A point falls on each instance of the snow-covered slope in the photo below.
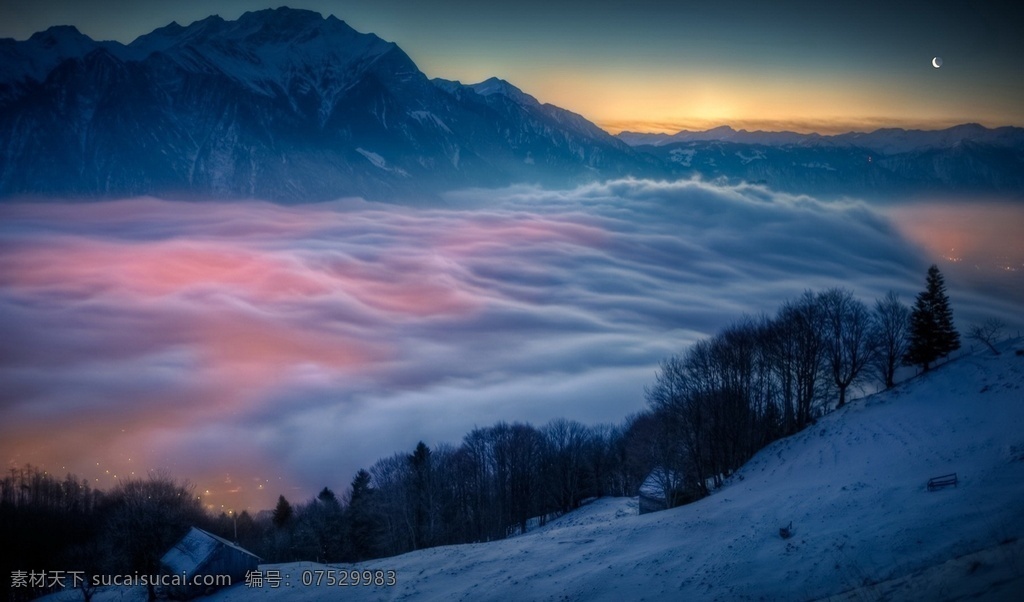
(853, 487)
(865, 526)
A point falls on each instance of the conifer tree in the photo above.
(419, 463)
(282, 512)
(932, 334)
(363, 524)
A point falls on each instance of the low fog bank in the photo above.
(259, 349)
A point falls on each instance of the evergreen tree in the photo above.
(282, 512)
(363, 524)
(419, 462)
(327, 496)
(932, 334)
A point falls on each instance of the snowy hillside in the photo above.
(864, 524)
(853, 486)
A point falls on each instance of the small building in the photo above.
(199, 563)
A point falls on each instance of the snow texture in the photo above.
(853, 486)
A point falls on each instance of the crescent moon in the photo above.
(937, 62)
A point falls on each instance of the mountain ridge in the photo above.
(887, 163)
(291, 106)
(882, 140)
(280, 104)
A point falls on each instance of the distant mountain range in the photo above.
(887, 162)
(889, 141)
(287, 105)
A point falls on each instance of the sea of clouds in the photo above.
(259, 349)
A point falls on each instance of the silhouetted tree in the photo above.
(798, 357)
(568, 475)
(891, 330)
(519, 452)
(317, 532)
(640, 447)
(362, 519)
(393, 501)
(46, 521)
(682, 400)
(146, 517)
(602, 459)
(421, 494)
(282, 512)
(245, 526)
(849, 341)
(988, 333)
(932, 334)
(327, 496)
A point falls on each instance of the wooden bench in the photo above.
(944, 481)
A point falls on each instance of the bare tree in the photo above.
(800, 358)
(891, 333)
(849, 344)
(677, 401)
(522, 453)
(146, 517)
(568, 474)
(638, 449)
(988, 333)
(393, 498)
(602, 460)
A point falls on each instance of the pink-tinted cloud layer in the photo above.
(258, 349)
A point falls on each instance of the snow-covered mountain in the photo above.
(281, 104)
(290, 106)
(722, 133)
(885, 163)
(886, 141)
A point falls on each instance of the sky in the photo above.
(664, 66)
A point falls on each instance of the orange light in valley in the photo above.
(977, 232)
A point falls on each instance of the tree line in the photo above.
(497, 482)
(51, 523)
(763, 378)
(710, 409)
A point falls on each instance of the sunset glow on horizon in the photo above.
(651, 67)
